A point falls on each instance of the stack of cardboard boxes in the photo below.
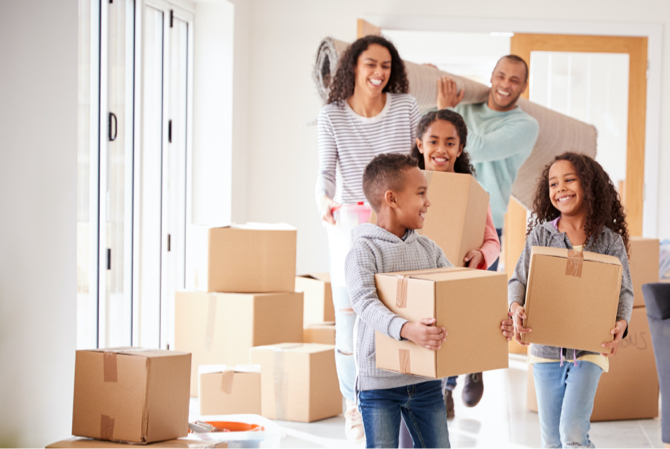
(240, 295)
(630, 389)
(319, 312)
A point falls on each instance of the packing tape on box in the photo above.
(405, 367)
(227, 377)
(106, 427)
(403, 282)
(281, 380)
(575, 262)
(211, 322)
(109, 366)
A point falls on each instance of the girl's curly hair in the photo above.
(345, 77)
(462, 164)
(602, 201)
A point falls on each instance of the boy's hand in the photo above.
(518, 315)
(507, 327)
(326, 206)
(617, 331)
(424, 333)
(474, 258)
(447, 93)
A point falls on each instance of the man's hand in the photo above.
(447, 93)
(617, 331)
(474, 258)
(424, 333)
(518, 315)
(326, 206)
(507, 327)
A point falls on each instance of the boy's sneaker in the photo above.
(449, 404)
(353, 425)
(473, 390)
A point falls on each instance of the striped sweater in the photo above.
(351, 141)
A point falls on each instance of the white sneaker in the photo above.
(353, 425)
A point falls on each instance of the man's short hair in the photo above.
(515, 58)
(385, 172)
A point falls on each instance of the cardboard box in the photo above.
(250, 258)
(323, 333)
(516, 348)
(571, 299)
(318, 297)
(298, 381)
(190, 441)
(630, 389)
(220, 328)
(229, 390)
(131, 394)
(470, 304)
(644, 265)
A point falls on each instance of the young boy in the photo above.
(397, 191)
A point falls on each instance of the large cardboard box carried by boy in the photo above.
(644, 265)
(220, 328)
(630, 389)
(298, 381)
(241, 258)
(571, 298)
(131, 394)
(318, 297)
(470, 304)
(229, 390)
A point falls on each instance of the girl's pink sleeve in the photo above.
(491, 247)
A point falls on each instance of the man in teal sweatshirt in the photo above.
(500, 138)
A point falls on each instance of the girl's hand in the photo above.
(474, 258)
(507, 327)
(326, 206)
(447, 93)
(424, 333)
(518, 315)
(618, 331)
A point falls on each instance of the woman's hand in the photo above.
(507, 327)
(617, 331)
(447, 93)
(518, 315)
(424, 333)
(326, 206)
(474, 258)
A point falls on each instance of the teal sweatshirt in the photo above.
(498, 143)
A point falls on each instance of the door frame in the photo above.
(653, 32)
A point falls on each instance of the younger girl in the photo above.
(576, 207)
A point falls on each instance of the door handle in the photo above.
(112, 138)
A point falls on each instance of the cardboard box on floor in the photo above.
(456, 218)
(516, 348)
(190, 441)
(131, 394)
(323, 333)
(470, 304)
(220, 328)
(318, 297)
(229, 389)
(571, 298)
(249, 258)
(298, 381)
(630, 389)
(644, 265)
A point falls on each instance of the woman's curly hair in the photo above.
(462, 163)
(602, 201)
(345, 76)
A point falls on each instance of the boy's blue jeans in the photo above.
(422, 407)
(565, 397)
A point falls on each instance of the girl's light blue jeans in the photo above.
(565, 397)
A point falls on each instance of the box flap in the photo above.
(216, 369)
(323, 277)
(563, 252)
(441, 274)
(141, 352)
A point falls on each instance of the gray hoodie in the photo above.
(546, 234)
(375, 250)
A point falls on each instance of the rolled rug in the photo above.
(558, 133)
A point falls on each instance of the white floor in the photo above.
(500, 420)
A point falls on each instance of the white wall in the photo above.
(38, 204)
(282, 156)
